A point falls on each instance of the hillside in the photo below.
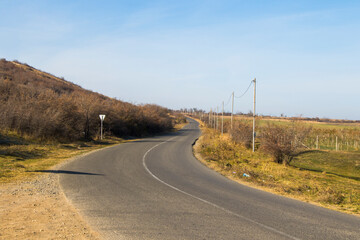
(37, 104)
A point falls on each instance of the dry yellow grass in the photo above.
(28, 159)
(321, 188)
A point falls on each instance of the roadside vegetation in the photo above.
(45, 119)
(22, 158)
(289, 159)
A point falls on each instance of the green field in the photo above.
(343, 164)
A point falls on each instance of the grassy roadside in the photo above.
(22, 158)
(329, 179)
(179, 126)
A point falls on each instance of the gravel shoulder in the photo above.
(38, 209)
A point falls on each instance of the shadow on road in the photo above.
(67, 172)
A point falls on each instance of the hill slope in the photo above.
(43, 106)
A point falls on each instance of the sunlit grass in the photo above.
(24, 158)
(328, 178)
(345, 164)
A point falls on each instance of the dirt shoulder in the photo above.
(38, 209)
(32, 204)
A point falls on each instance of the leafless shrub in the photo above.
(242, 133)
(283, 142)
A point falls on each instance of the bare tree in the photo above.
(283, 142)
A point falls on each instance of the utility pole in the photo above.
(217, 118)
(232, 110)
(210, 117)
(214, 116)
(254, 114)
(222, 119)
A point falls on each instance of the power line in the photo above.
(245, 91)
(228, 101)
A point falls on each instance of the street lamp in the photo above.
(102, 117)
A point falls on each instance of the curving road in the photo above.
(155, 189)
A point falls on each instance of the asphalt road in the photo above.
(155, 189)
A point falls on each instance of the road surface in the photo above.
(155, 189)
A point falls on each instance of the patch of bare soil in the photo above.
(38, 209)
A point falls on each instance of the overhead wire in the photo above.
(245, 91)
(228, 101)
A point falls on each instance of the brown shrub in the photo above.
(283, 142)
(242, 133)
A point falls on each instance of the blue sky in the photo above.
(304, 54)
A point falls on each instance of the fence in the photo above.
(333, 143)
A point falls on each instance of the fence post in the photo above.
(317, 142)
(336, 144)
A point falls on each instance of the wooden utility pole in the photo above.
(210, 118)
(254, 114)
(232, 111)
(222, 119)
(213, 119)
(217, 118)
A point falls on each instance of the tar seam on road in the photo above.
(205, 201)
